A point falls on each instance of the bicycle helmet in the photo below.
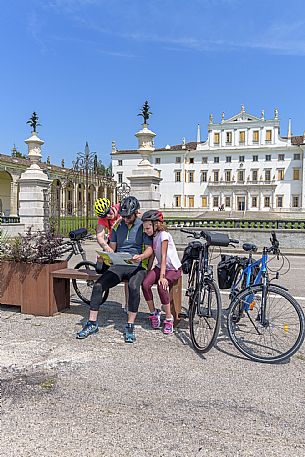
(102, 207)
(153, 215)
(129, 206)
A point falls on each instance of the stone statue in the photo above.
(263, 115)
(276, 113)
(211, 118)
(33, 121)
(63, 163)
(242, 108)
(145, 112)
(48, 160)
(222, 116)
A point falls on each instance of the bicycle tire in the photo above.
(83, 289)
(208, 317)
(284, 328)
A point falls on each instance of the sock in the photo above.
(92, 322)
(169, 319)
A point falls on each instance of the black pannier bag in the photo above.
(226, 270)
(191, 252)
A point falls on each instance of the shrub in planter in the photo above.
(25, 266)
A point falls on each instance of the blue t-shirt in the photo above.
(130, 240)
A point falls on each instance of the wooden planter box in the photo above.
(32, 287)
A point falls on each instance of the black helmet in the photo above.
(152, 215)
(129, 206)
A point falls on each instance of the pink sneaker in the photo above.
(155, 319)
(168, 327)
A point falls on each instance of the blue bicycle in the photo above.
(265, 323)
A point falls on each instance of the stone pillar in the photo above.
(14, 198)
(33, 187)
(145, 180)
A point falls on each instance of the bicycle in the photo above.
(265, 323)
(83, 288)
(204, 302)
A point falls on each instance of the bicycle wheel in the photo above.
(83, 289)
(204, 316)
(282, 333)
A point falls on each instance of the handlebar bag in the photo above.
(78, 234)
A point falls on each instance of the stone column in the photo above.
(33, 185)
(14, 198)
(303, 175)
(145, 180)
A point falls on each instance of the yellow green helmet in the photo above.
(102, 207)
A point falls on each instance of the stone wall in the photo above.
(289, 239)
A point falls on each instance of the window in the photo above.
(267, 175)
(191, 176)
(267, 201)
(216, 202)
(204, 160)
(279, 201)
(254, 202)
(228, 175)
(157, 160)
(280, 174)
(255, 158)
(204, 201)
(241, 158)
(227, 202)
(228, 159)
(268, 136)
(204, 176)
(281, 157)
(296, 174)
(120, 178)
(120, 163)
(295, 201)
(216, 159)
(240, 175)
(178, 159)
(191, 201)
(191, 159)
(216, 175)
(229, 138)
(296, 156)
(254, 175)
(268, 158)
(178, 176)
(242, 137)
(255, 137)
(216, 138)
(177, 200)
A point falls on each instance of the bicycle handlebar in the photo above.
(213, 239)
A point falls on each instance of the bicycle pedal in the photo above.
(183, 315)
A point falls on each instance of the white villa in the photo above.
(244, 165)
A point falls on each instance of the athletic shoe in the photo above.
(88, 329)
(155, 319)
(168, 327)
(129, 333)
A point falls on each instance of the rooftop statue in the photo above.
(145, 112)
(33, 121)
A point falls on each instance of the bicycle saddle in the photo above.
(249, 247)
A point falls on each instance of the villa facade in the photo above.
(244, 165)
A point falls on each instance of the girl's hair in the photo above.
(162, 227)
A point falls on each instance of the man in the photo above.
(128, 236)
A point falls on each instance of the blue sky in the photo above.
(87, 66)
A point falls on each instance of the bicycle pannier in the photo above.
(226, 269)
(191, 252)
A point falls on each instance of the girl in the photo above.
(167, 270)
